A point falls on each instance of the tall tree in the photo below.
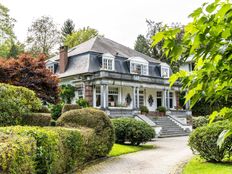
(80, 36)
(68, 28)
(43, 36)
(32, 73)
(208, 40)
(144, 44)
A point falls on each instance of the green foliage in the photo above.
(15, 102)
(36, 119)
(68, 107)
(80, 36)
(142, 45)
(67, 93)
(95, 119)
(204, 141)
(133, 131)
(207, 40)
(43, 109)
(56, 110)
(143, 109)
(53, 122)
(68, 28)
(17, 154)
(43, 35)
(161, 109)
(199, 121)
(82, 103)
(46, 150)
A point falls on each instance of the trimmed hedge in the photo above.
(95, 119)
(17, 154)
(199, 121)
(16, 101)
(37, 119)
(133, 131)
(68, 107)
(204, 141)
(46, 150)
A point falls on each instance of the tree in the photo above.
(208, 40)
(144, 44)
(67, 93)
(31, 73)
(67, 29)
(43, 36)
(80, 36)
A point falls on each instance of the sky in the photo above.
(119, 20)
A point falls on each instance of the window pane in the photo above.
(98, 100)
(159, 102)
(171, 102)
(159, 94)
(110, 64)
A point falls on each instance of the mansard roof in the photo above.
(101, 44)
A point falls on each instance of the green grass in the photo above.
(199, 166)
(119, 149)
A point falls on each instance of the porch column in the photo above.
(120, 96)
(103, 96)
(94, 96)
(137, 92)
(168, 100)
(134, 97)
(164, 98)
(106, 96)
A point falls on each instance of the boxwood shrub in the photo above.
(199, 121)
(203, 140)
(95, 119)
(37, 119)
(133, 131)
(46, 150)
(68, 107)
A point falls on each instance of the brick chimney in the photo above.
(63, 58)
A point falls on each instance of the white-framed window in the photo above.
(108, 62)
(159, 98)
(112, 96)
(164, 71)
(98, 96)
(138, 65)
(80, 92)
(141, 97)
(51, 68)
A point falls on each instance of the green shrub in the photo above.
(143, 109)
(53, 122)
(17, 154)
(82, 103)
(37, 119)
(95, 119)
(161, 109)
(199, 121)
(57, 150)
(16, 101)
(56, 110)
(68, 107)
(204, 141)
(133, 131)
(43, 109)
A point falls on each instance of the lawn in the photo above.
(200, 166)
(119, 149)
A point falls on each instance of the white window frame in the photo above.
(138, 61)
(114, 91)
(106, 59)
(51, 68)
(163, 69)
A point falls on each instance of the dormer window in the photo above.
(165, 71)
(108, 62)
(51, 68)
(138, 65)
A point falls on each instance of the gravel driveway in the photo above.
(162, 160)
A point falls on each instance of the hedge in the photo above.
(68, 107)
(199, 121)
(46, 150)
(16, 101)
(95, 119)
(203, 140)
(37, 119)
(133, 131)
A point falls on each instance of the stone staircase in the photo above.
(169, 127)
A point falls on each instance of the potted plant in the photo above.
(143, 110)
(161, 110)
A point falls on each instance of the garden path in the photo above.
(163, 159)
